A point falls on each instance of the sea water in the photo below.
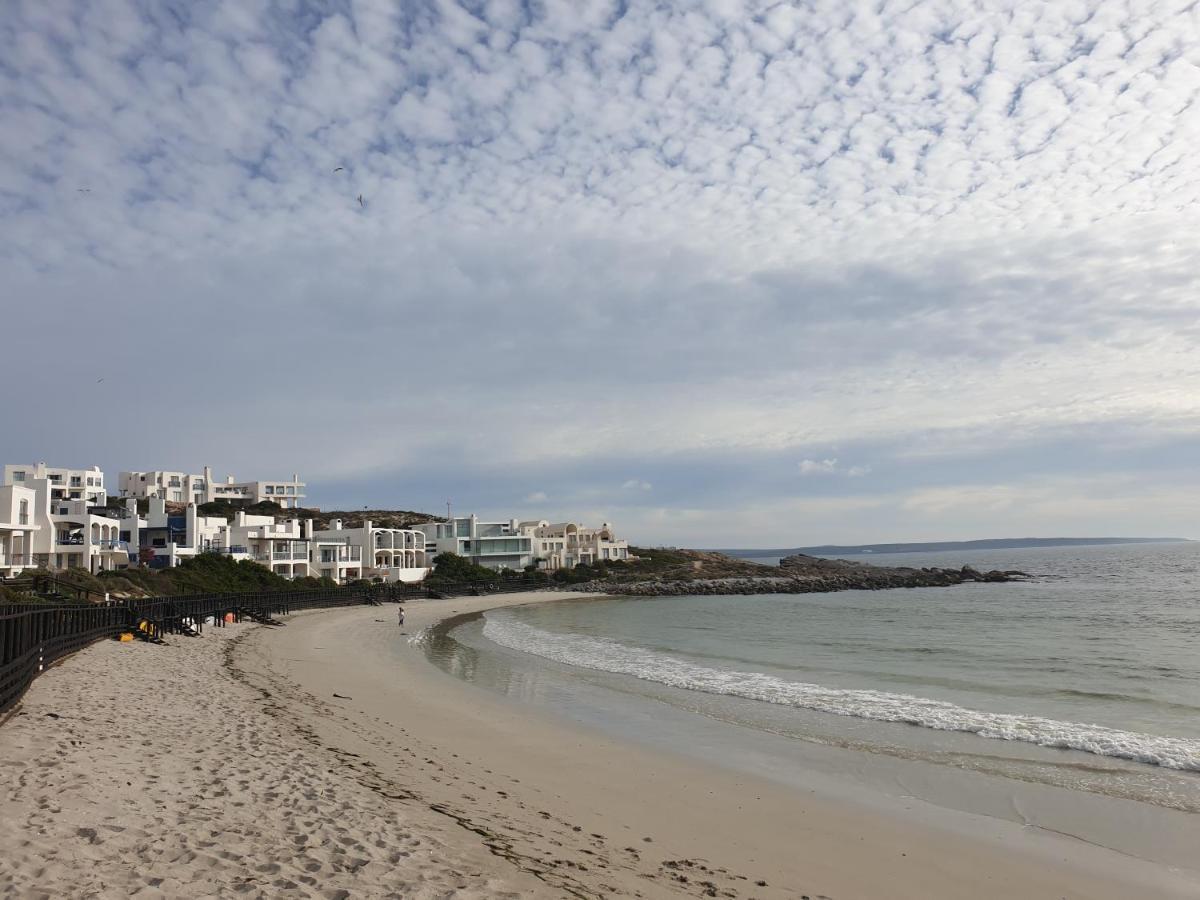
(1085, 677)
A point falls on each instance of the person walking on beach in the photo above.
(401, 611)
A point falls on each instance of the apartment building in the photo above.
(180, 487)
(177, 487)
(497, 545)
(17, 527)
(338, 559)
(61, 519)
(388, 554)
(74, 534)
(64, 484)
(565, 545)
(165, 538)
(514, 544)
(283, 547)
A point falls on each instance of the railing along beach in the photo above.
(34, 635)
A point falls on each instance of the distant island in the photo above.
(942, 546)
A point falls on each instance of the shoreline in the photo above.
(413, 782)
(747, 825)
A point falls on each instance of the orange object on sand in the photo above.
(228, 617)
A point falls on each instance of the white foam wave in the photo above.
(609, 656)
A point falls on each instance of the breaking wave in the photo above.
(609, 656)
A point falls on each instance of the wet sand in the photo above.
(225, 765)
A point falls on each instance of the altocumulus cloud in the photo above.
(694, 240)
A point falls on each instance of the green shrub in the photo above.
(449, 567)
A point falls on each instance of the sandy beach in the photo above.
(329, 758)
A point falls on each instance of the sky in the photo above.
(723, 273)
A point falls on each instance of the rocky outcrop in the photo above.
(802, 574)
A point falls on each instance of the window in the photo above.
(291, 490)
(270, 488)
(76, 481)
(125, 536)
(24, 519)
(18, 476)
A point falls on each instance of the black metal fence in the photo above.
(32, 636)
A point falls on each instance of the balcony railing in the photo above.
(228, 551)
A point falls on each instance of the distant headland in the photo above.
(944, 546)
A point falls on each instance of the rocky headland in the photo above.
(715, 573)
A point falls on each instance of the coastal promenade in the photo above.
(330, 758)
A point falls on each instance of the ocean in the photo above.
(1085, 678)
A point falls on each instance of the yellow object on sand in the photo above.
(126, 636)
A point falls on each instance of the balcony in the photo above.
(235, 550)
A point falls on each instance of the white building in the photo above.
(565, 545)
(388, 554)
(497, 545)
(513, 544)
(283, 547)
(64, 484)
(180, 487)
(73, 533)
(167, 537)
(17, 527)
(338, 559)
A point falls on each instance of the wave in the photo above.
(609, 656)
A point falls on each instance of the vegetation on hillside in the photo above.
(208, 573)
(671, 563)
(384, 518)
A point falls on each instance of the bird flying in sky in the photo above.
(339, 168)
(360, 200)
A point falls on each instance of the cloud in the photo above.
(831, 467)
(818, 466)
(664, 238)
(536, 497)
(633, 484)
